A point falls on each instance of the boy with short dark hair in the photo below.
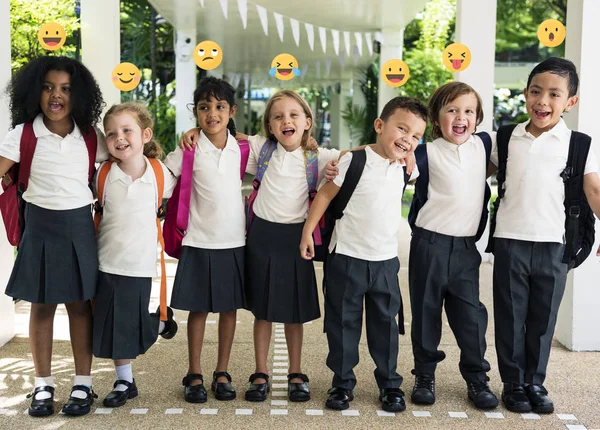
(528, 234)
(363, 261)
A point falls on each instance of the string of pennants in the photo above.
(353, 41)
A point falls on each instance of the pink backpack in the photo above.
(178, 206)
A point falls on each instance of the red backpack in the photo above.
(16, 180)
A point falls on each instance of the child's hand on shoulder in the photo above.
(189, 138)
(331, 171)
(411, 162)
(307, 246)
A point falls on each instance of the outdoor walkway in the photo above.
(573, 383)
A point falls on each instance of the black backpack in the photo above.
(421, 187)
(580, 220)
(335, 210)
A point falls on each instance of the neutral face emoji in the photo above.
(284, 67)
(208, 55)
(126, 76)
(456, 57)
(551, 33)
(52, 36)
(395, 72)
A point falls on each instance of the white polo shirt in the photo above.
(371, 222)
(533, 208)
(217, 219)
(457, 178)
(127, 235)
(283, 193)
(60, 166)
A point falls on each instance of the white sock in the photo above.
(82, 380)
(161, 326)
(125, 373)
(43, 382)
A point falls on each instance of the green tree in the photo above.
(26, 18)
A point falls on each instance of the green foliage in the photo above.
(164, 126)
(356, 119)
(509, 106)
(438, 19)
(26, 18)
(427, 73)
(359, 119)
(407, 200)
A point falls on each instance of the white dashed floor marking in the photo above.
(496, 415)
(174, 411)
(422, 414)
(279, 402)
(243, 411)
(279, 378)
(576, 427)
(140, 411)
(284, 386)
(385, 414)
(566, 417)
(279, 393)
(279, 411)
(458, 415)
(284, 370)
(531, 416)
(351, 413)
(104, 411)
(314, 412)
(209, 411)
(280, 364)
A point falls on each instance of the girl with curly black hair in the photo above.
(55, 104)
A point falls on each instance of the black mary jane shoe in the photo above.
(392, 399)
(194, 393)
(339, 398)
(119, 398)
(298, 392)
(257, 392)
(170, 324)
(42, 407)
(77, 406)
(222, 390)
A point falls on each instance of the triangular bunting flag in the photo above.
(379, 37)
(310, 33)
(264, 20)
(201, 3)
(295, 30)
(335, 34)
(347, 41)
(243, 8)
(369, 43)
(224, 7)
(323, 37)
(358, 38)
(279, 24)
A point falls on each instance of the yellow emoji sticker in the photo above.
(284, 67)
(208, 55)
(126, 76)
(551, 33)
(395, 72)
(52, 36)
(456, 57)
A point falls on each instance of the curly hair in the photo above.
(152, 148)
(25, 91)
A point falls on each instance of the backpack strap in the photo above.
(502, 138)
(579, 147)
(100, 191)
(185, 189)
(245, 152)
(160, 188)
(263, 162)
(422, 184)
(355, 170)
(91, 142)
(27, 149)
(311, 163)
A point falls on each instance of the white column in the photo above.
(390, 48)
(578, 317)
(7, 308)
(340, 134)
(185, 77)
(100, 44)
(476, 28)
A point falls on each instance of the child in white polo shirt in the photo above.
(529, 235)
(448, 215)
(363, 262)
(127, 240)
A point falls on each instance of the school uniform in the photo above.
(444, 260)
(363, 265)
(529, 275)
(210, 273)
(281, 285)
(57, 261)
(127, 240)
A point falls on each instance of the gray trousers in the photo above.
(349, 282)
(444, 272)
(529, 282)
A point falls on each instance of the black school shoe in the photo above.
(339, 398)
(222, 390)
(515, 398)
(480, 394)
(257, 392)
(43, 407)
(119, 398)
(392, 399)
(170, 325)
(77, 406)
(298, 392)
(194, 393)
(423, 392)
(538, 397)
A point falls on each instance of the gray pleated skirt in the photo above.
(280, 285)
(123, 326)
(209, 280)
(57, 260)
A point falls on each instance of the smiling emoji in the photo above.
(52, 36)
(284, 67)
(395, 72)
(208, 55)
(551, 33)
(456, 57)
(126, 76)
